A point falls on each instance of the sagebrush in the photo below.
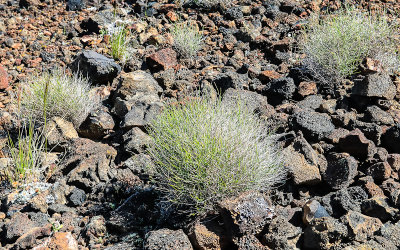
(335, 44)
(120, 42)
(56, 93)
(188, 40)
(205, 151)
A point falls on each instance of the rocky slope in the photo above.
(342, 145)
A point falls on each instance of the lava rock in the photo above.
(209, 235)
(357, 145)
(380, 171)
(340, 170)
(281, 234)
(375, 85)
(315, 126)
(73, 5)
(310, 102)
(377, 115)
(391, 139)
(361, 227)
(280, 90)
(77, 197)
(230, 79)
(247, 213)
(59, 133)
(391, 232)
(136, 141)
(302, 171)
(98, 68)
(378, 207)
(162, 60)
(234, 13)
(98, 124)
(323, 233)
(167, 239)
(3, 78)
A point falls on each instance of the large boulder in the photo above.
(98, 68)
(375, 85)
(314, 125)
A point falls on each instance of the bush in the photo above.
(206, 151)
(336, 44)
(187, 39)
(56, 93)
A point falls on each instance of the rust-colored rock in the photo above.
(3, 78)
(307, 88)
(269, 75)
(162, 59)
(208, 235)
(361, 226)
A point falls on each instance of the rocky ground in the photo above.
(342, 144)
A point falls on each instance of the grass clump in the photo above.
(119, 41)
(336, 44)
(205, 151)
(56, 93)
(188, 40)
(26, 155)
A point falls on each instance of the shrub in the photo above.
(188, 40)
(205, 151)
(56, 93)
(336, 44)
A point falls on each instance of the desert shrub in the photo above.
(188, 40)
(205, 151)
(336, 44)
(55, 93)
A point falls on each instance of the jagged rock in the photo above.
(392, 189)
(391, 139)
(88, 164)
(324, 233)
(357, 145)
(375, 85)
(209, 235)
(315, 126)
(77, 197)
(19, 224)
(136, 141)
(98, 124)
(73, 5)
(301, 171)
(378, 207)
(162, 60)
(340, 170)
(247, 213)
(313, 210)
(281, 89)
(3, 78)
(167, 239)
(281, 234)
(249, 242)
(361, 227)
(380, 171)
(310, 102)
(254, 102)
(59, 133)
(376, 115)
(391, 232)
(96, 229)
(28, 239)
(60, 240)
(371, 131)
(98, 68)
(142, 111)
(230, 79)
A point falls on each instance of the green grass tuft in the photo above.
(56, 93)
(205, 151)
(336, 44)
(188, 40)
